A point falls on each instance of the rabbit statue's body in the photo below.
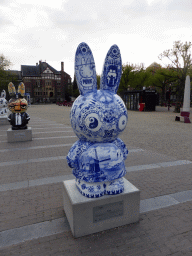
(18, 106)
(3, 104)
(97, 118)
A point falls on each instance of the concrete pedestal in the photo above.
(3, 120)
(184, 119)
(19, 135)
(91, 215)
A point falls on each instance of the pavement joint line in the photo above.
(37, 182)
(157, 165)
(46, 138)
(47, 228)
(35, 160)
(52, 132)
(36, 147)
(46, 132)
(54, 146)
(61, 137)
(136, 150)
(40, 128)
(54, 179)
(128, 169)
(49, 128)
(50, 125)
(40, 122)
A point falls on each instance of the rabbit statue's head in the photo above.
(3, 103)
(98, 115)
(3, 94)
(17, 103)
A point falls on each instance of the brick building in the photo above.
(42, 81)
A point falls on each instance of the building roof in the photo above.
(27, 70)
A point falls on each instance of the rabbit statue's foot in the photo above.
(91, 190)
(114, 187)
(98, 189)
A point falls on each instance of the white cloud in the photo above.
(52, 30)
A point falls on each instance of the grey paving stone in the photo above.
(43, 229)
(36, 160)
(32, 183)
(183, 196)
(47, 228)
(37, 147)
(157, 165)
(16, 185)
(141, 167)
(175, 163)
(157, 203)
(52, 132)
(59, 137)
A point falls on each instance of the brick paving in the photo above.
(166, 231)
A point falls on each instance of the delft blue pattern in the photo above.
(3, 104)
(112, 69)
(97, 118)
(85, 69)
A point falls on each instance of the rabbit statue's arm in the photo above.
(73, 155)
(72, 161)
(121, 145)
(75, 152)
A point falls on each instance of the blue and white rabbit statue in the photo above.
(3, 104)
(97, 118)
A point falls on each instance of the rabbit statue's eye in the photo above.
(92, 119)
(122, 122)
(93, 122)
(84, 50)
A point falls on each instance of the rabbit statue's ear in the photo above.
(3, 94)
(11, 89)
(85, 69)
(112, 68)
(21, 89)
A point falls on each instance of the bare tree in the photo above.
(180, 58)
(4, 63)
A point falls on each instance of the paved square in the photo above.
(159, 164)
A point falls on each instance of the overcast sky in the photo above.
(51, 30)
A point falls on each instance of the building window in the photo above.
(47, 82)
(57, 77)
(47, 76)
